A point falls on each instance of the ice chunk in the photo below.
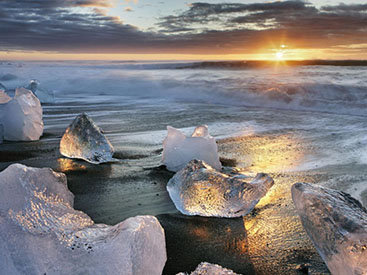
(337, 225)
(84, 140)
(178, 149)
(198, 189)
(41, 232)
(43, 95)
(205, 268)
(22, 116)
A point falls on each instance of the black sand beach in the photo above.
(269, 240)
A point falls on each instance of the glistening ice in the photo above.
(178, 149)
(83, 139)
(337, 225)
(198, 189)
(41, 232)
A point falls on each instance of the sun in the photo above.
(279, 55)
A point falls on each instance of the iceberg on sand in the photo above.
(178, 149)
(84, 140)
(198, 189)
(208, 268)
(41, 232)
(43, 95)
(337, 225)
(21, 116)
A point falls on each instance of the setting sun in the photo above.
(279, 55)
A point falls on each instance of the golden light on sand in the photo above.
(265, 153)
(67, 165)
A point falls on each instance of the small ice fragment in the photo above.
(198, 189)
(205, 268)
(22, 116)
(83, 139)
(41, 232)
(178, 149)
(336, 224)
(43, 95)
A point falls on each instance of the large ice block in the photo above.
(41, 232)
(205, 268)
(337, 225)
(43, 95)
(22, 116)
(198, 189)
(84, 140)
(178, 149)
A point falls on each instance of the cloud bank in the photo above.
(83, 26)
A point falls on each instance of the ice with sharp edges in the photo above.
(178, 149)
(337, 225)
(198, 189)
(21, 116)
(84, 140)
(205, 268)
(41, 232)
(43, 95)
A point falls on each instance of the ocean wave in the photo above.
(262, 63)
(337, 90)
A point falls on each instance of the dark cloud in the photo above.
(82, 26)
(296, 21)
(57, 25)
(346, 8)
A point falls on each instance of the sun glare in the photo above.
(279, 55)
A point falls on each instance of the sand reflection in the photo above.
(191, 240)
(268, 153)
(68, 165)
(276, 242)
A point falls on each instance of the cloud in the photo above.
(84, 26)
(128, 9)
(55, 25)
(297, 21)
(346, 8)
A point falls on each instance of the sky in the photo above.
(179, 30)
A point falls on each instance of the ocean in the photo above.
(297, 123)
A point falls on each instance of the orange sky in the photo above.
(263, 54)
(161, 30)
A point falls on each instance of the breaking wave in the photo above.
(338, 90)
